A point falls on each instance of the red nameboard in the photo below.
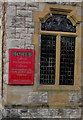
(21, 67)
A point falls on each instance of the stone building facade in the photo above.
(20, 28)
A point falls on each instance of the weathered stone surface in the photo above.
(17, 35)
(13, 113)
(41, 6)
(31, 31)
(22, 7)
(81, 24)
(21, 4)
(6, 68)
(15, 22)
(10, 21)
(37, 97)
(42, 113)
(32, 4)
(21, 30)
(21, 43)
(24, 13)
(58, 98)
(27, 19)
(11, 10)
(74, 97)
(5, 78)
(28, 38)
(19, 21)
(13, 43)
(11, 32)
(33, 8)
(23, 36)
(0, 114)
(29, 24)
(0, 9)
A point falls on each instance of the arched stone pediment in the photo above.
(58, 22)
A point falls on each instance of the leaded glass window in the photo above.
(58, 24)
(47, 60)
(67, 55)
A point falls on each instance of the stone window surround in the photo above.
(39, 17)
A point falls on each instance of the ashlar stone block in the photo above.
(11, 11)
(29, 24)
(23, 13)
(38, 97)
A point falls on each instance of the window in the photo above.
(57, 23)
(67, 59)
(57, 41)
(48, 59)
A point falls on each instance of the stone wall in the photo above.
(0, 55)
(19, 28)
(42, 113)
(26, 101)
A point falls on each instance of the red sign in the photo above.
(21, 66)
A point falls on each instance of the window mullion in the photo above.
(57, 58)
